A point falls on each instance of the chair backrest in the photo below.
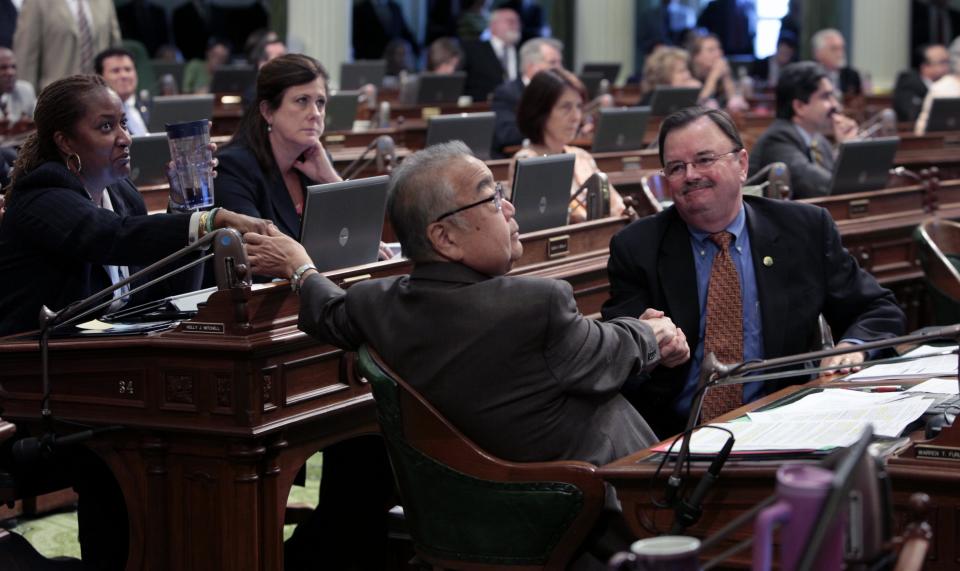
(467, 509)
(939, 252)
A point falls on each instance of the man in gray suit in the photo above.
(807, 108)
(510, 361)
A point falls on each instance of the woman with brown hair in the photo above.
(709, 65)
(276, 153)
(550, 114)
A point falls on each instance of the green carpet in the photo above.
(55, 535)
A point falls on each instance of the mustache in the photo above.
(696, 185)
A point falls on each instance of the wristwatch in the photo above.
(298, 275)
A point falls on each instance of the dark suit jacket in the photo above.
(506, 98)
(371, 36)
(850, 82)
(782, 142)
(908, 94)
(54, 242)
(484, 71)
(242, 186)
(510, 361)
(651, 265)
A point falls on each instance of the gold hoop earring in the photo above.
(79, 168)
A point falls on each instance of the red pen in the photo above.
(886, 389)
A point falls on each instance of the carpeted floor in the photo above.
(56, 535)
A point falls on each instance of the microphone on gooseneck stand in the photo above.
(688, 512)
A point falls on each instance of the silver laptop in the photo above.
(541, 191)
(170, 109)
(666, 100)
(171, 68)
(341, 111)
(354, 75)
(620, 129)
(233, 79)
(433, 88)
(474, 129)
(343, 221)
(149, 155)
(944, 114)
(863, 165)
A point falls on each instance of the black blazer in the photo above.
(242, 186)
(850, 82)
(54, 242)
(484, 71)
(908, 95)
(651, 265)
(371, 35)
(506, 98)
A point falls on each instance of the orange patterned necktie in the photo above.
(724, 331)
(816, 153)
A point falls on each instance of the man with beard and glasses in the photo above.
(743, 277)
(807, 110)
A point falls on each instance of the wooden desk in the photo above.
(744, 483)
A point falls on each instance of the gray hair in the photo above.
(820, 38)
(419, 192)
(530, 51)
(955, 56)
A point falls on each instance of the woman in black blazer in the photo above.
(73, 225)
(276, 152)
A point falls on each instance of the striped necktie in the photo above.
(86, 39)
(724, 329)
(816, 153)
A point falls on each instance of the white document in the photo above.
(936, 386)
(936, 364)
(823, 420)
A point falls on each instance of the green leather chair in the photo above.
(938, 244)
(468, 510)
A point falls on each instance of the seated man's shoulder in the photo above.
(791, 212)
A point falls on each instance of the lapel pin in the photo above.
(767, 261)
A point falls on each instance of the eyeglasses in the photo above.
(678, 169)
(497, 199)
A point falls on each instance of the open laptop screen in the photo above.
(541, 191)
(621, 129)
(863, 165)
(474, 129)
(343, 221)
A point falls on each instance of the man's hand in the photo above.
(274, 254)
(671, 340)
(844, 128)
(852, 360)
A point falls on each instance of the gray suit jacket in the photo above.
(47, 40)
(782, 142)
(510, 361)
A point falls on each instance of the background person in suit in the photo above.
(829, 50)
(116, 67)
(536, 55)
(807, 108)
(788, 262)
(51, 42)
(507, 360)
(375, 24)
(946, 86)
(17, 98)
(932, 63)
(489, 63)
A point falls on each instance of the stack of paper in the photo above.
(939, 362)
(823, 420)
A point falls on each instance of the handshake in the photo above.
(670, 338)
